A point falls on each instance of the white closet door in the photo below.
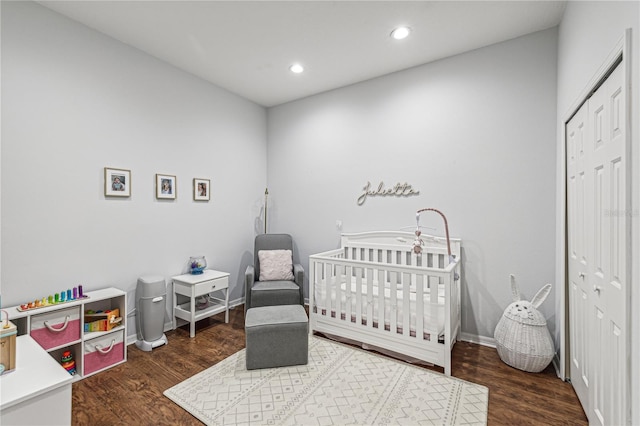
(607, 242)
(579, 292)
(597, 261)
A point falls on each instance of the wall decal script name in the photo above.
(399, 190)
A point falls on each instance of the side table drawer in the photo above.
(211, 285)
(56, 328)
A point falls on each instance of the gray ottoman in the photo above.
(276, 336)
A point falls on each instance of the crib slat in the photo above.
(321, 285)
(380, 283)
(358, 274)
(448, 338)
(434, 282)
(348, 270)
(338, 283)
(326, 276)
(312, 281)
(393, 308)
(406, 311)
(328, 280)
(370, 301)
(419, 306)
(453, 295)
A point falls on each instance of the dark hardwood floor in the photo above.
(131, 393)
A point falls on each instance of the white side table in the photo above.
(192, 286)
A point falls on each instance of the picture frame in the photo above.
(117, 182)
(201, 189)
(166, 187)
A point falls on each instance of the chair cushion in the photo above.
(274, 315)
(269, 293)
(276, 265)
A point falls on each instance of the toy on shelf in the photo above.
(101, 320)
(8, 332)
(68, 362)
(65, 296)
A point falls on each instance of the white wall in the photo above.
(475, 134)
(587, 35)
(75, 101)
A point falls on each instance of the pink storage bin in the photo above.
(103, 352)
(56, 328)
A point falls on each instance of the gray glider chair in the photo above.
(279, 280)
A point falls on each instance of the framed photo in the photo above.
(117, 182)
(166, 187)
(201, 189)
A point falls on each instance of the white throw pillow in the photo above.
(275, 265)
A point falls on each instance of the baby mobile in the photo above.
(418, 243)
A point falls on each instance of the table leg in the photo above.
(175, 304)
(226, 306)
(192, 323)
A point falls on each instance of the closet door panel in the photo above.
(606, 240)
(579, 291)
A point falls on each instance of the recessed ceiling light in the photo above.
(400, 33)
(296, 68)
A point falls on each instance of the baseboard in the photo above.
(491, 342)
(556, 365)
(479, 340)
(465, 337)
(168, 326)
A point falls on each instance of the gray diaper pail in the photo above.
(151, 300)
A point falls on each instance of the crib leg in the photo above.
(447, 364)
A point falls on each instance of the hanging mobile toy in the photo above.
(418, 242)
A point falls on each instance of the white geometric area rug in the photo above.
(341, 385)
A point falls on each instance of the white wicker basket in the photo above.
(522, 338)
(527, 347)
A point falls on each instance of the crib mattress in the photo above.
(433, 314)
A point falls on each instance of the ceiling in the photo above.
(247, 47)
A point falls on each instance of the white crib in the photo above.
(377, 291)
